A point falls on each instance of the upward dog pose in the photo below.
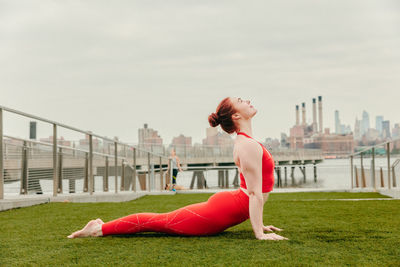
(222, 210)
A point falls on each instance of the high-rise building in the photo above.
(378, 123)
(386, 129)
(364, 123)
(357, 129)
(396, 131)
(338, 129)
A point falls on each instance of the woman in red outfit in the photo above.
(222, 210)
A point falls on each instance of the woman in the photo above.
(223, 209)
(176, 165)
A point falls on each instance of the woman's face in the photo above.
(172, 152)
(243, 107)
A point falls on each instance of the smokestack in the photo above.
(314, 115)
(303, 109)
(320, 114)
(297, 115)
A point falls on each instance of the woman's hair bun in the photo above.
(213, 119)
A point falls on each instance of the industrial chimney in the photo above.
(320, 114)
(314, 115)
(297, 115)
(303, 109)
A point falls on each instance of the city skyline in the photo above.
(110, 69)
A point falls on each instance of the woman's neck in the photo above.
(245, 127)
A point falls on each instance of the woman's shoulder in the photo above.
(247, 145)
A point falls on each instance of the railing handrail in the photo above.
(59, 146)
(374, 146)
(74, 129)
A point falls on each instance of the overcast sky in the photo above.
(111, 66)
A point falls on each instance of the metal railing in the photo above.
(381, 171)
(29, 161)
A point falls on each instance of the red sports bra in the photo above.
(268, 166)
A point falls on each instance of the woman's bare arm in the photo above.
(178, 162)
(250, 156)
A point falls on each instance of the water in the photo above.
(332, 174)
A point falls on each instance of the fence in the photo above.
(376, 166)
(35, 167)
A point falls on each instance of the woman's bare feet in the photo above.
(92, 228)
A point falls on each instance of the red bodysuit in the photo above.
(221, 211)
(268, 167)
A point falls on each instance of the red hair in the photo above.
(223, 116)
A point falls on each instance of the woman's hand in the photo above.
(272, 236)
(271, 228)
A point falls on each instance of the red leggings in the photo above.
(221, 211)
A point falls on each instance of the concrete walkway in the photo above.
(19, 201)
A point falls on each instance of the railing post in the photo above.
(373, 168)
(60, 167)
(116, 166)
(122, 175)
(1, 156)
(24, 170)
(388, 162)
(86, 178)
(55, 172)
(91, 177)
(149, 170)
(170, 171)
(356, 173)
(105, 182)
(351, 170)
(134, 171)
(363, 184)
(161, 175)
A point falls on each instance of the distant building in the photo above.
(84, 143)
(331, 144)
(284, 141)
(271, 143)
(372, 135)
(378, 124)
(214, 137)
(296, 137)
(357, 129)
(341, 128)
(182, 145)
(339, 144)
(182, 140)
(338, 129)
(396, 131)
(386, 129)
(150, 140)
(364, 123)
(149, 136)
(60, 141)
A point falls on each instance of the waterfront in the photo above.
(332, 174)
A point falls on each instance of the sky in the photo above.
(111, 66)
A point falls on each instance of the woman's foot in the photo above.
(92, 228)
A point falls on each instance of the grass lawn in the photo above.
(323, 233)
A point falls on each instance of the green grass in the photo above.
(322, 233)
